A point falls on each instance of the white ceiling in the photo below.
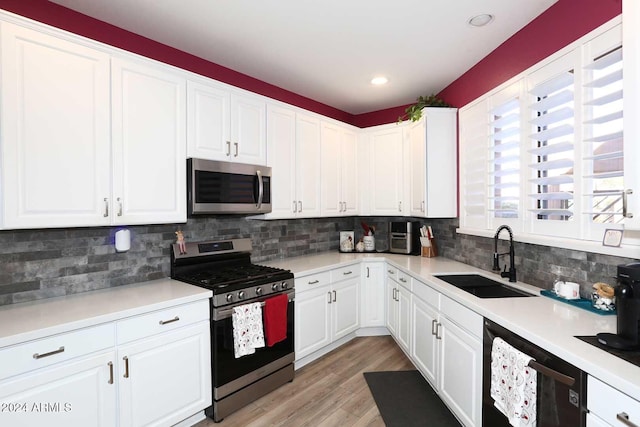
(328, 50)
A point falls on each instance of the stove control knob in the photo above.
(274, 287)
(284, 285)
(241, 295)
(229, 297)
(258, 290)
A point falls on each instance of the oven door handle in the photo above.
(544, 370)
(228, 312)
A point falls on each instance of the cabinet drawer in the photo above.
(405, 280)
(312, 281)
(162, 320)
(344, 273)
(37, 354)
(426, 293)
(462, 316)
(607, 403)
(392, 272)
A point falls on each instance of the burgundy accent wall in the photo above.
(72, 21)
(561, 24)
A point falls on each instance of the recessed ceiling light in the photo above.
(381, 80)
(480, 20)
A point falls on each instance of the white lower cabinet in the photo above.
(372, 292)
(447, 349)
(94, 377)
(77, 393)
(327, 308)
(426, 352)
(399, 307)
(173, 368)
(610, 407)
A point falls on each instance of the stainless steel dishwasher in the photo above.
(561, 387)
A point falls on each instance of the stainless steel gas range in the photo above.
(225, 267)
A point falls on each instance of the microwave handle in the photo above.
(260, 189)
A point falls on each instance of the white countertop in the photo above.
(547, 323)
(36, 319)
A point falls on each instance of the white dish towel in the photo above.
(513, 384)
(248, 333)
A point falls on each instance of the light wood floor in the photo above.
(328, 392)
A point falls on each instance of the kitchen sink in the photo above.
(481, 286)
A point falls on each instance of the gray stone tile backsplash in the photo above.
(36, 264)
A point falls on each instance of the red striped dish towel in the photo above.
(275, 319)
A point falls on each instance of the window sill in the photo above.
(626, 250)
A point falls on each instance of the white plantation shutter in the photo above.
(504, 159)
(603, 143)
(473, 166)
(553, 148)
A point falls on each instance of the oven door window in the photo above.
(399, 242)
(227, 368)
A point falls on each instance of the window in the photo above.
(544, 152)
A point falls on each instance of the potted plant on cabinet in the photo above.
(414, 111)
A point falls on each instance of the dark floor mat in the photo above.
(405, 399)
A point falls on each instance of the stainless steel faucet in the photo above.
(511, 274)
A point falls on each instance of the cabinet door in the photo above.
(55, 131)
(165, 379)
(307, 166)
(80, 393)
(392, 307)
(208, 121)
(349, 172)
(441, 163)
(281, 155)
(461, 373)
(425, 345)
(386, 172)
(149, 144)
(404, 297)
(345, 306)
(331, 194)
(312, 321)
(372, 294)
(248, 129)
(417, 168)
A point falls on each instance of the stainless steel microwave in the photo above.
(215, 187)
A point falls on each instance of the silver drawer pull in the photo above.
(51, 353)
(624, 418)
(347, 272)
(403, 280)
(164, 322)
(391, 272)
(313, 282)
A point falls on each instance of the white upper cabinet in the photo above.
(293, 141)
(386, 171)
(55, 131)
(208, 121)
(307, 166)
(225, 125)
(88, 139)
(339, 173)
(433, 164)
(149, 144)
